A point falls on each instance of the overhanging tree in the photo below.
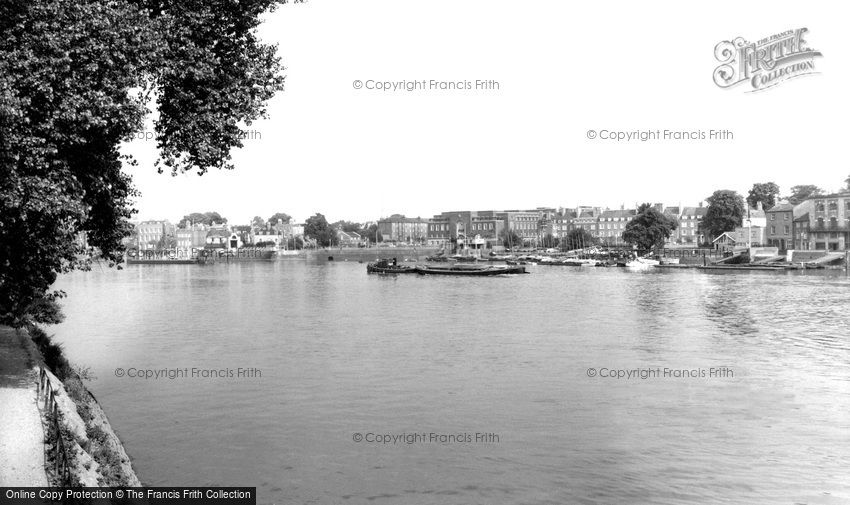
(76, 77)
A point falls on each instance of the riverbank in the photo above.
(95, 454)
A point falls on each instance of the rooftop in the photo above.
(781, 207)
(844, 194)
(618, 213)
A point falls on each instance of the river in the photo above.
(733, 387)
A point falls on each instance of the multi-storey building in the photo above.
(439, 234)
(674, 213)
(546, 221)
(465, 229)
(587, 218)
(562, 223)
(612, 224)
(153, 234)
(690, 225)
(398, 228)
(829, 222)
(801, 232)
(525, 223)
(780, 226)
(485, 229)
(193, 237)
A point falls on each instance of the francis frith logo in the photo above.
(766, 63)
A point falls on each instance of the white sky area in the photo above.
(563, 68)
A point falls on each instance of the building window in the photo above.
(773, 217)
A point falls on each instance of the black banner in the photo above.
(129, 495)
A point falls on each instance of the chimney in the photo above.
(759, 205)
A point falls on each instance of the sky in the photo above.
(562, 68)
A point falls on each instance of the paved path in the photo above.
(21, 435)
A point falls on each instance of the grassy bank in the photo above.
(97, 457)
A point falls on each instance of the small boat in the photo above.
(581, 262)
(470, 271)
(386, 266)
(642, 263)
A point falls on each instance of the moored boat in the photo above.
(387, 266)
(470, 271)
(642, 263)
(582, 262)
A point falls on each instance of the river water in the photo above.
(753, 407)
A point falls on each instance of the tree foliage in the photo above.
(371, 233)
(650, 229)
(279, 217)
(205, 218)
(725, 212)
(803, 191)
(258, 223)
(76, 78)
(317, 228)
(348, 226)
(765, 192)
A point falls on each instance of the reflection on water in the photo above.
(344, 353)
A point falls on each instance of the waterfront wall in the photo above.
(371, 253)
(803, 256)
